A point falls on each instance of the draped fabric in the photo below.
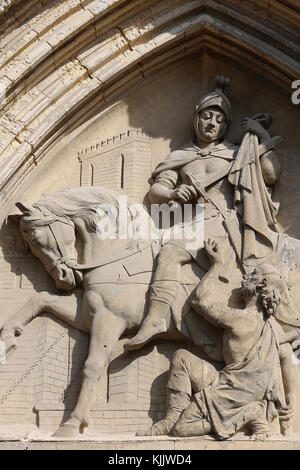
(230, 402)
(253, 201)
(191, 152)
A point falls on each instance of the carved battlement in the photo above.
(113, 142)
(122, 162)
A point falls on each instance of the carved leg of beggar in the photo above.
(259, 380)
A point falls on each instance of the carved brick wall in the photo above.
(129, 397)
(121, 162)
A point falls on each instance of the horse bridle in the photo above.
(71, 262)
(65, 257)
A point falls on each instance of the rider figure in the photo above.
(209, 172)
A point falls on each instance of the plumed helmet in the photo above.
(216, 98)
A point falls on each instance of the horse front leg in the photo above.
(63, 307)
(106, 329)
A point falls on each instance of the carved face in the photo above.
(211, 125)
(247, 291)
(43, 245)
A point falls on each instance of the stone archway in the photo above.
(61, 60)
(66, 63)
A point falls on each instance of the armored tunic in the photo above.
(236, 199)
(209, 168)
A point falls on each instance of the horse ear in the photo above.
(26, 209)
(15, 218)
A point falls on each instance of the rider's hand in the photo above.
(253, 126)
(184, 193)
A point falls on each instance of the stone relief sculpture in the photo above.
(50, 228)
(235, 184)
(230, 182)
(259, 380)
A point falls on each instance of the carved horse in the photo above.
(115, 274)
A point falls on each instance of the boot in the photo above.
(154, 324)
(176, 403)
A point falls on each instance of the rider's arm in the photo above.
(269, 163)
(167, 188)
(161, 191)
(159, 194)
(270, 167)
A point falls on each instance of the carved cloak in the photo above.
(228, 404)
(252, 199)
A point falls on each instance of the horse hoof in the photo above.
(67, 430)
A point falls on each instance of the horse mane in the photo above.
(81, 202)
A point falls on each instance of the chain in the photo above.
(31, 368)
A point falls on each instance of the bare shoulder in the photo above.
(237, 320)
(242, 321)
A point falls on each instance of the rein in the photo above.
(71, 262)
(108, 260)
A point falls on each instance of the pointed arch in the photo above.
(61, 59)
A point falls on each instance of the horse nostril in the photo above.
(63, 273)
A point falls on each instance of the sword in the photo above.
(230, 224)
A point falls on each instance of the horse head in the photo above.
(52, 240)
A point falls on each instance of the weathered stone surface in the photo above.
(151, 23)
(83, 86)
